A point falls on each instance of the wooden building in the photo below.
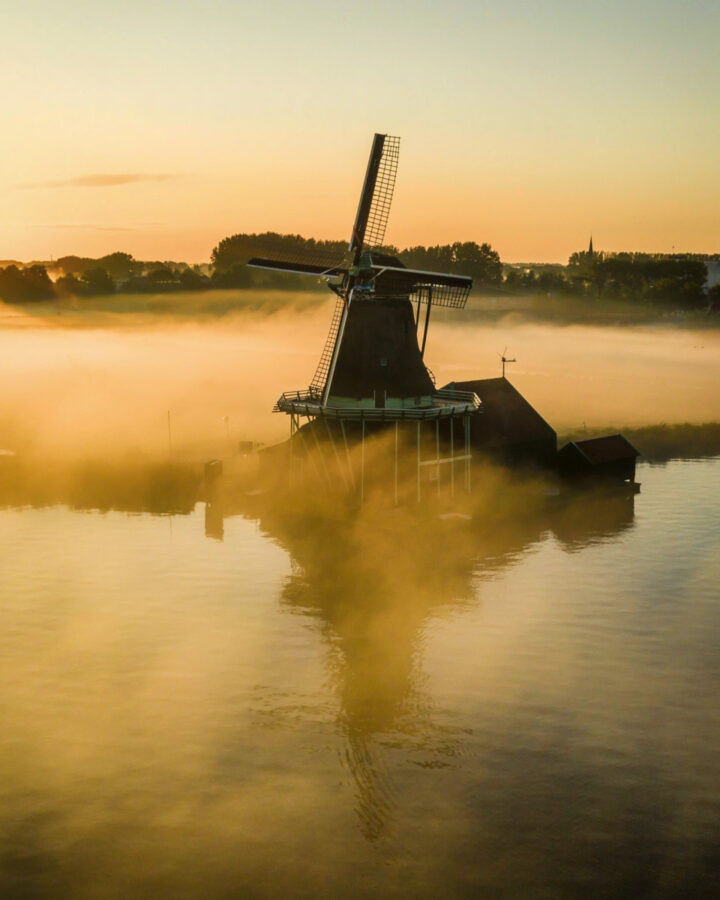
(509, 428)
(609, 458)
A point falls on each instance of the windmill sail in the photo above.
(319, 382)
(292, 254)
(377, 193)
(441, 288)
(297, 267)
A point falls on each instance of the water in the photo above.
(522, 710)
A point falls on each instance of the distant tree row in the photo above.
(655, 278)
(479, 261)
(85, 277)
(543, 280)
(673, 280)
(230, 256)
(119, 266)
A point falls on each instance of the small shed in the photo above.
(610, 458)
(507, 426)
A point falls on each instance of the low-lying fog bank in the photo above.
(97, 383)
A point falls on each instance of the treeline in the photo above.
(670, 281)
(78, 276)
(230, 256)
(83, 277)
(677, 280)
(663, 280)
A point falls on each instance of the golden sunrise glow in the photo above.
(160, 132)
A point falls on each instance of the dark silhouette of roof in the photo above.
(606, 449)
(506, 414)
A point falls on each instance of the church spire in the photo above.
(590, 248)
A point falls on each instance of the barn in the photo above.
(508, 427)
(609, 458)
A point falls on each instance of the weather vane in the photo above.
(505, 360)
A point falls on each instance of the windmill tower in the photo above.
(371, 374)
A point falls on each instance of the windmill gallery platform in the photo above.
(372, 413)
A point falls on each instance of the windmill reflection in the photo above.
(375, 584)
(374, 579)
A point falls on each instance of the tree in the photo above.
(119, 265)
(69, 286)
(237, 276)
(74, 265)
(239, 248)
(161, 275)
(97, 282)
(513, 279)
(27, 285)
(194, 281)
(480, 261)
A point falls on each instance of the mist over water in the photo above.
(523, 706)
(269, 696)
(102, 380)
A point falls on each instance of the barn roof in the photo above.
(506, 413)
(611, 448)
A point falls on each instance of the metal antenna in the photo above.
(505, 360)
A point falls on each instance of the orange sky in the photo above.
(160, 130)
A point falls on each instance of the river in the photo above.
(526, 708)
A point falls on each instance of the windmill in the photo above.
(372, 368)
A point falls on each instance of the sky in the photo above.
(160, 128)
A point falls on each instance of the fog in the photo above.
(323, 702)
(83, 382)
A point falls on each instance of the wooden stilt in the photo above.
(314, 461)
(322, 467)
(362, 463)
(452, 457)
(467, 453)
(418, 461)
(396, 462)
(292, 449)
(347, 455)
(337, 456)
(437, 450)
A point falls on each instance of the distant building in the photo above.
(590, 252)
(713, 274)
(508, 427)
(610, 458)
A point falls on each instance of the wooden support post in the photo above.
(321, 466)
(347, 454)
(314, 461)
(362, 461)
(292, 448)
(418, 461)
(467, 452)
(452, 457)
(337, 457)
(396, 462)
(437, 452)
